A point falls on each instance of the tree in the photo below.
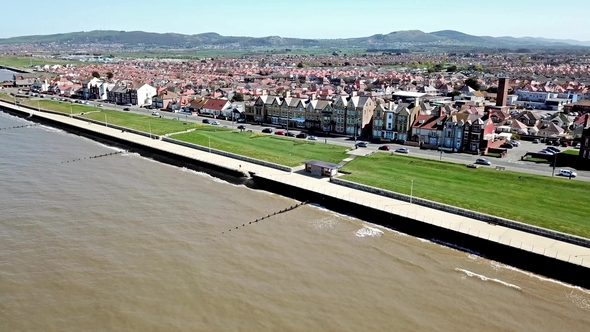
(110, 75)
(523, 60)
(452, 69)
(472, 83)
(95, 74)
(300, 65)
(453, 94)
(492, 89)
(238, 97)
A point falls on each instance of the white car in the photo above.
(155, 113)
(313, 138)
(567, 173)
(215, 123)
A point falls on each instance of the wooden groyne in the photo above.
(94, 157)
(17, 127)
(271, 215)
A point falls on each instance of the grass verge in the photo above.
(272, 148)
(554, 203)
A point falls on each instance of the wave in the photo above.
(484, 278)
(369, 231)
(454, 246)
(499, 266)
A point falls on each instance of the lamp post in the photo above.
(554, 162)
(149, 124)
(105, 120)
(209, 144)
(72, 112)
(38, 106)
(411, 191)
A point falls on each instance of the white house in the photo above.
(145, 92)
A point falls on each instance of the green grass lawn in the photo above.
(272, 148)
(25, 62)
(145, 123)
(62, 107)
(554, 203)
(572, 152)
(6, 97)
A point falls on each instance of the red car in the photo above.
(279, 132)
(384, 147)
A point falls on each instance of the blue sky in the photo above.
(300, 18)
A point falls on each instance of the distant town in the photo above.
(473, 103)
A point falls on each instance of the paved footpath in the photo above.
(538, 244)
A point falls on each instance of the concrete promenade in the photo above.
(567, 252)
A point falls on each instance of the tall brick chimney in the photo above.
(502, 91)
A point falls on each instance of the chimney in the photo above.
(313, 96)
(287, 94)
(390, 105)
(264, 92)
(502, 92)
(354, 93)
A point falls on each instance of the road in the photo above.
(511, 162)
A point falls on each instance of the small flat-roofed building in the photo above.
(321, 168)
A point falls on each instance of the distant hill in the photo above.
(398, 39)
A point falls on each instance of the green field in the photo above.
(146, 123)
(272, 148)
(554, 203)
(25, 62)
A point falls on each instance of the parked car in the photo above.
(568, 173)
(402, 150)
(545, 151)
(242, 127)
(126, 109)
(577, 146)
(507, 146)
(267, 130)
(290, 134)
(98, 105)
(279, 132)
(155, 113)
(301, 135)
(362, 144)
(554, 149)
(241, 120)
(483, 161)
(565, 144)
(514, 143)
(384, 148)
(313, 138)
(536, 141)
(215, 123)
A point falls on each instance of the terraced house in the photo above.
(318, 115)
(359, 116)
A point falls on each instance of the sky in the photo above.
(317, 19)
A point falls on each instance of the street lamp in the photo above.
(209, 144)
(149, 124)
(106, 124)
(554, 162)
(411, 190)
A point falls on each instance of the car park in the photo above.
(482, 161)
(267, 130)
(567, 173)
(384, 148)
(402, 150)
(301, 135)
(362, 144)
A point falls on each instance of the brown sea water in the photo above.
(123, 243)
